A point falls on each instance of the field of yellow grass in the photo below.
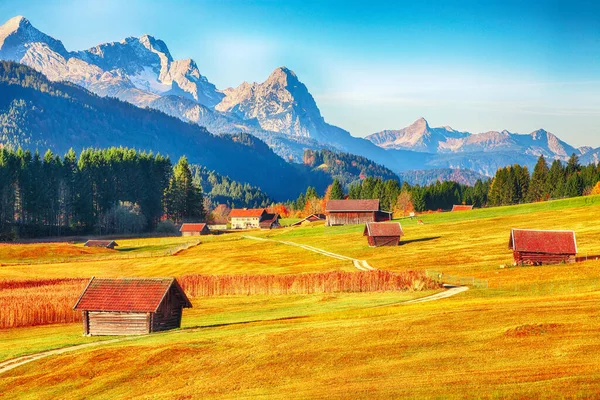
(532, 334)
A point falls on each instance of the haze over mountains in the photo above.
(280, 111)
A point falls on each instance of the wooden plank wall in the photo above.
(117, 323)
(379, 241)
(350, 218)
(539, 258)
(168, 315)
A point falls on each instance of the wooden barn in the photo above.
(194, 229)
(131, 306)
(354, 212)
(383, 234)
(107, 244)
(269, 221)
(309, 219)
(537, 247)
(461, 207)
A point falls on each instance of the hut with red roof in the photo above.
(194, 229)
(348, 212)
(537, 247)
(131, 306)
(383, 234)
(461, 207)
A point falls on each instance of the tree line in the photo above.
(52, 195)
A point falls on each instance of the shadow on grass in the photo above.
(427, 239)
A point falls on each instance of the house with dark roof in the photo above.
(461, 207)
(269, 221)
(354, 212)
(131, 306)
(537, 247)
(383, 233)
(194, 229)
(246, 218)
(107, 244)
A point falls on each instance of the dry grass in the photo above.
(533, 334)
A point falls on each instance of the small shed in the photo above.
(383, 234)
(131, 306)
(194, 229)
(269, 221)
(347, 212)
(461, 207)
(537, 247)
(309, 219)
(107, 244)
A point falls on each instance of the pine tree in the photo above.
(337, 193)
(537, 187)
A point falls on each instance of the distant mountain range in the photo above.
(280, 111)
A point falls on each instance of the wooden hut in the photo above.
(461, 207)
(131, 306)
(107, 244)
(194, 229)
(269, 221)
(348, 212)
(537, 247)
(383, 234)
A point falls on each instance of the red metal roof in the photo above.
(460, 207)
(546, 242)
(246, 212)
(192, 227)
(352, 205)
(126, 294)
(378, 229)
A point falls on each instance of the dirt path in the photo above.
(361, 265)
(18, 361)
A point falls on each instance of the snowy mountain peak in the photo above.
(16, 36)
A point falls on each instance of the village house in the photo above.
(348, 212)
(383, 234)
(246, 218)
(194, 229)
(537, 247)
(107, 244)
(131, 306)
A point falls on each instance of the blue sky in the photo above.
(475, 66)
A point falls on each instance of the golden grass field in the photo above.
(534, 333)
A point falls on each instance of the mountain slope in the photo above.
(39, 114)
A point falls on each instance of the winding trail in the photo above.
(361, 265)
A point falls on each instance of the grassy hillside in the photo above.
(531, 334)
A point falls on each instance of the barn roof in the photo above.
(192, 227)
(310, 218)
(378, 229)
(546, 242)
(461, 207)
(100, 243)
(246, 212)
(127, 294)
(268, 220)
(352, 205)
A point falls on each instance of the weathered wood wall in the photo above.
(350, 218)
(378, 241)
(118, 323)
(539, 258)
(168, 315)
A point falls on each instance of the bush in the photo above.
(8, 236)
(124, 218)
(166, 226)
